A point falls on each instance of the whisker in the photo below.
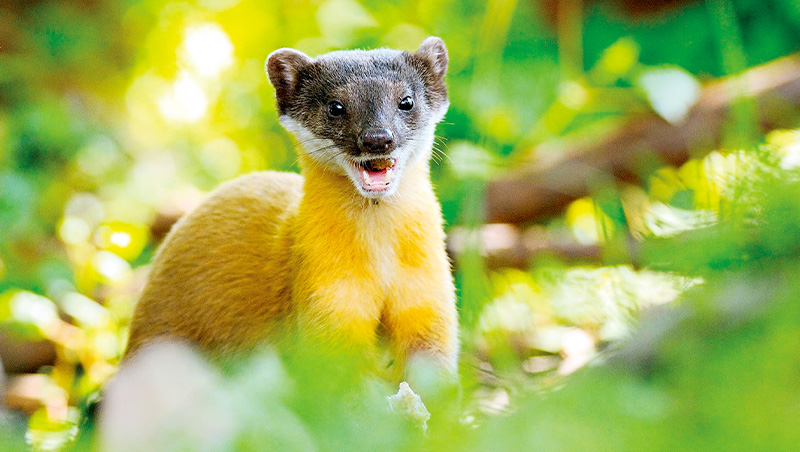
(314, 151)
(443, 143)
(323, 148)
(437, 153)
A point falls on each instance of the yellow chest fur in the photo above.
(271, 248)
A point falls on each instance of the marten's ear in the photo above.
(431, 62)
(282, 67)
(434, 52)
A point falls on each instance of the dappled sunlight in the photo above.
(786, 143)
(619, 183)
(587, 222)
(185, 101)
(556, 312)
(206, 49)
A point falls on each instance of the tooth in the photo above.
(389, 174)
(365, 175)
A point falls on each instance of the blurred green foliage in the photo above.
(713, 372)
(116, 115)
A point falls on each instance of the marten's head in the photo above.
(366, 114)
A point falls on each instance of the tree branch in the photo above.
(543, 189)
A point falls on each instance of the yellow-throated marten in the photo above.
(350, 251)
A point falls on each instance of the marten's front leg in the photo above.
(421, 322)
(422, 327)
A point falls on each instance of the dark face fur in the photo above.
(366, 114)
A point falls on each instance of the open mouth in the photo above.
(376, 175)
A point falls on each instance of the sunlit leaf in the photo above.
(52, 435)
(572, 94)
(507, 315)
(123, 239)
(672, 92)
(788, 147)
(619, 58)
(110, 267)
(108, 346)
(589, 224)
(86, 311)
(74, 230)
(664, 221)
(34, 313)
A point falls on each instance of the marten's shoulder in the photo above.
(255, 200)
(219, 279)
(247, 211)
(264, 192)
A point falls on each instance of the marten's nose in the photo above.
(377, 141)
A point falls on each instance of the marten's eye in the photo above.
(335, 108)
(406, 104)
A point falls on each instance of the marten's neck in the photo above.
(326, 192)
(335, 222)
